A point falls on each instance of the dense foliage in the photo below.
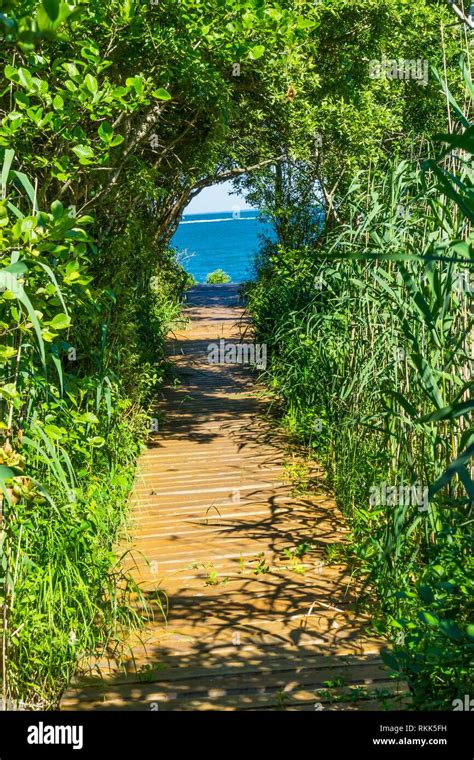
(369, 330)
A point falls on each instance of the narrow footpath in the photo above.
(255, 617)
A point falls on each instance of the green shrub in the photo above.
(72, 422)
(217, 277)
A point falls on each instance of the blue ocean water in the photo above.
(219, 241)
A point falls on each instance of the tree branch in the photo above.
(461, 15)
(139, 134)
(225, 176)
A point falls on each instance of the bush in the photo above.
(75, 384)
(217, 277)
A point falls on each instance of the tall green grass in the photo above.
(370, 336)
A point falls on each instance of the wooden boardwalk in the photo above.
(250, 623)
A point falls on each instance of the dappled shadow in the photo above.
(270, 644)
(255, 616)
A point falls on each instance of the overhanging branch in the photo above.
(461, 15)
(230, 174)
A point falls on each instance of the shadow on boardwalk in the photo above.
(255, 617)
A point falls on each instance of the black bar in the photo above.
(319, 734)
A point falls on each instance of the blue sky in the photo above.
(216, 198)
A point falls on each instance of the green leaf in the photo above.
(11, 73)
(97, 441)
(6, 353)
(8, 391)
(274, 13)
(91, 84)
(45, 25)
(25, 78)
(7, 162)
(27, 186)
(22, 99)
(106, 131)
(407, 406)
(59, 369)
(456, 466)
(116, 140)
(57, 210)
(161, 94)
(6, 473)
(449, 412)
(60, 322)
(451, 630)
(426, 594)
(83, 151)
(306, 23)
(256, 52)
(66, 10)
(90, 418)
(52, 8)
(58, 103)
(136, 83)
(459, 111)
(4, 218)
(52, 276)
(48, 456)
(429, 619)
(5, 281)
(54, 432)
